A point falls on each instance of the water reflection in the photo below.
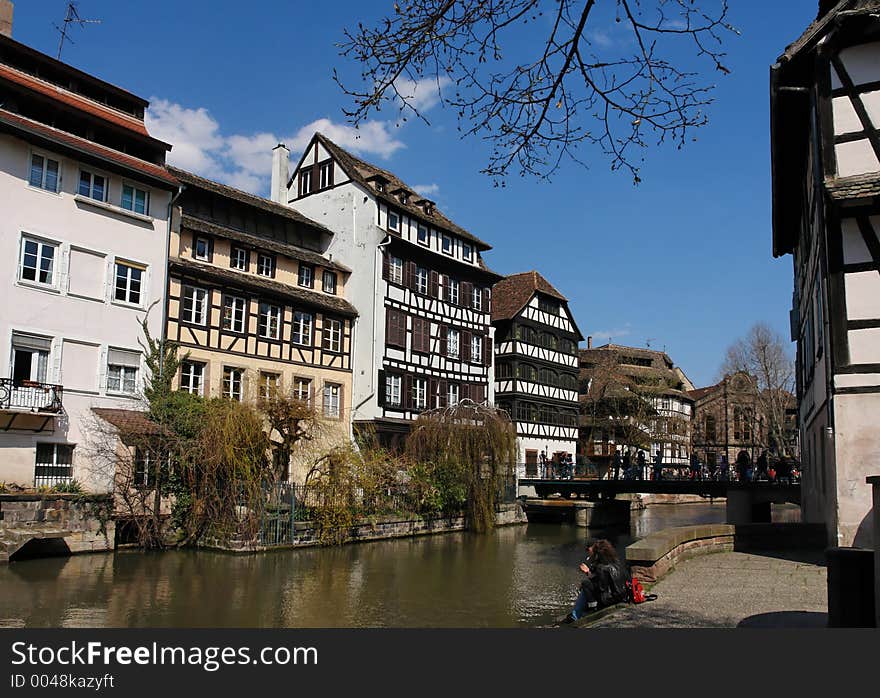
(519, 576)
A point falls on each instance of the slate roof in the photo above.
(863, 186)
(512, 293)
(294, 251)
(828, 12)
(334, 304)
(35, 128)
(700, 393)
(246, 198)
(364, 172)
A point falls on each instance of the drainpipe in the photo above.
(163, 336)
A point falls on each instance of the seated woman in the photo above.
(605, 584)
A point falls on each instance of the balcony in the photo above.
(28, 405)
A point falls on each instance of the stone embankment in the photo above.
(54, 524)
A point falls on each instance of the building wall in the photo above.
(78, 314)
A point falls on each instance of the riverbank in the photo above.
(772, 589)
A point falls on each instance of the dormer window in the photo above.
(404, 198)
(379, 184)
(327, 175)
(428, 206)
(393, 221)
(305, 182)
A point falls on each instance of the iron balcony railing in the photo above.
(30, 396)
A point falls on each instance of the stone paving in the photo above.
(727, 590)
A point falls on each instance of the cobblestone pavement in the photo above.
(785, 589)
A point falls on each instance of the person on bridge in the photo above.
(725, 468)
(617, 465)
(763, 467)
(605, 584)
(696, 468)
(627, 464)
(743, 466)
(641, 465)
(658, 466)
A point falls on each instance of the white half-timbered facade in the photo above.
(536, 367)
(825, 105)
(421, 289)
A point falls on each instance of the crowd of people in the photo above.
(782, 469)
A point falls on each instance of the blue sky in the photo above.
(683, 260)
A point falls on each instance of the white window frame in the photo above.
(420, 228)
(234, 258)
(46, 159)
(332, 407)
(92, 174)
(305, 275)
(271, 312)
(395, 270)
(453, 392)
(329, 275)
(467, 252)
(126, 374)
(129, 266)
(232, 388)
(134, 192)
(42, 244)
(476, 349)
(393, 387)
(270, 383)
(453, 291)
(396, 216)
(447, 240)
(305, 182)
(299, 325)
(453, 343)
(239, 311)
(477, 298)
(48, 480)
(298, 383)
(199, 295)
(420, 393)
(262, 257)
(422, 280)
(324, 171)
(207, 256)
(333, 332)
(188, 371)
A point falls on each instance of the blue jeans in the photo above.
(586, 602)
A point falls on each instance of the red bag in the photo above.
(637, 592)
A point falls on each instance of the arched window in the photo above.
(711, 428)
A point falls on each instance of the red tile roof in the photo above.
(29, 126)
(133, 422)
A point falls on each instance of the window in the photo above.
(453, 343)
(202, 249)
(38, 261)
(548, 306)
(711, 428)
(306, 275)
(332, 393)
(192, 375)
(327, 175)
(466, 251)
(420, 393)
(122, 371)
(329, 282)
(392, 390)
(422, 234)
(266, 265)
(30, 358)
(396, 335)
(332, 336)
(194, 305)
(421, 280)
(477, 350)
(44, 173)
(395, 269)
(447, 245)
(421, 337)
(269, 321)
(233, 383)
(134, 199)
(144, 468)
(269, 384)
(393, 221)
(93, 186)
(527, 372)
(302, 328)
(452, 294)
(477, 298)
(128, 283)
(452, 394)
(302, 389)
(305, 182)
(233, 313)
(239, 259)
(54, 464)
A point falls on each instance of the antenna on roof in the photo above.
(72, 17)
(648, 341)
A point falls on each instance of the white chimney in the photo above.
(6, 9)
(280, 173)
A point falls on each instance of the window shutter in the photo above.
(444, 340)
(465, 348)
(486, 301)
(409, 275)
(380, 397)
(407, 398)
(386, 266)
(55, 353)
(434, 285)
(465, 296)
(443, 393)
(431, 397)
(102, 368)
(487, 350)
(443, 282)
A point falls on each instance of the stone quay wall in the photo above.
(55, 524)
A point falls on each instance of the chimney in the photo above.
(280, 173)
(6, 8)
(589, 342)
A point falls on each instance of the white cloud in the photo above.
(371, 138)
(424, 94)
(194, 133)
(426, 189)
(611, 334)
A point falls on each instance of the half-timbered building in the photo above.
(254, 305)
(84, 199)
(536, 366)
(420, 286)
(825, 143)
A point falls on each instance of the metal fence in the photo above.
(30, 396)
(278, 515)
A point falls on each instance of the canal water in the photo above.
(516, 576)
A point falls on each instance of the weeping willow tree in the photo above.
(473, 445)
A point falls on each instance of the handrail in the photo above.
(30, 396)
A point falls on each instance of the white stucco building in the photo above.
(423, 338)
(825, 106)
(85, 196)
